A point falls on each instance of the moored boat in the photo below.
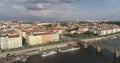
(113, 37)
(48, 54)
(67, 50)
(32, 52)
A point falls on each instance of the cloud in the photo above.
(30, 11)
(43, 1)
(51, 9)
(41, 4)
(56, 9)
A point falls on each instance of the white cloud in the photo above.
(48, 9)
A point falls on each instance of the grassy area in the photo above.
(83, 35)
(88, 35)
(112, 22)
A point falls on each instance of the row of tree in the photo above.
(87, 34)
(112, 22)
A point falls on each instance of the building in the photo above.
(105, 29)
(35, 38)
(83, 28)
(55, 37)
(10, 40)
(14, 41)
(3, 41)
(46, 37)
(56, 30)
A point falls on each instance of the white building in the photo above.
(55, 37)
(10, 41)
(107, 31)
(3, 41)
(14, 41)
(101, 32)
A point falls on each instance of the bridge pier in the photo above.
(85, 46)
(99, 49)
(117, 54)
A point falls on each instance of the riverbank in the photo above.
(13, 54)
(78, 56)
(96, 39)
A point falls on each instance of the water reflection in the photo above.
(79, 56)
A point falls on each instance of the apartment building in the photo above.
(10, 40)
(35, 38)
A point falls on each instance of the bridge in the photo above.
(99, 47)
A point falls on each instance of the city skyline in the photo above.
(59, 10)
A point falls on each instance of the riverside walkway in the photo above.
(39, 48)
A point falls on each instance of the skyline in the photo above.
(59, 10)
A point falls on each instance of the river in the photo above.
(79, 56)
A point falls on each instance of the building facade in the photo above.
(10, 41)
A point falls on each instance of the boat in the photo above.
(17, 59)
(48, 54)
(62, 45)
(32, 52)
(24, 58)
(113, 37)
(71, 49)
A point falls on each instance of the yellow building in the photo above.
(41, 38)
(34, 39)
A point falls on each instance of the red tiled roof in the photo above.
(26, 30)
(13, 36)
(83, 26)
(46, 33)
(34, 24)
(55, 29)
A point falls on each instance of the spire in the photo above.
(58, 25)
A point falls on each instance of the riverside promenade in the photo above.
(40, 48)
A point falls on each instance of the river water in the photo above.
(113, 43)
(79, 56)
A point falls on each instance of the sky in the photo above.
(59, 10)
